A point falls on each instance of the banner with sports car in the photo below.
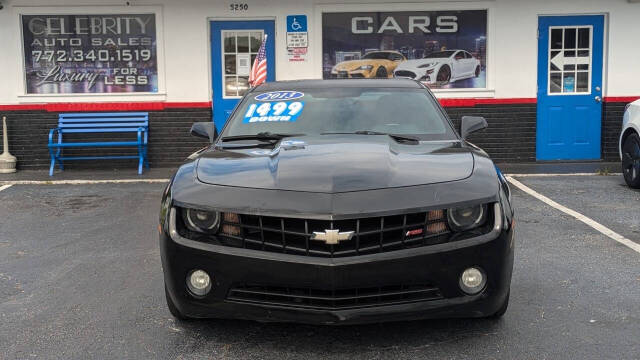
(443, 49)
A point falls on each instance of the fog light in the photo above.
(199, 282)
(472, 281)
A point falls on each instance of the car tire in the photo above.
(382, 73)
(631, 161)
(172, 307)
(477, 71)
(444, 75)
(503, 308)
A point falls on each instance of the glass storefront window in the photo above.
(97, 53)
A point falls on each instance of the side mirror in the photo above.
(206, 130)
(471, 124)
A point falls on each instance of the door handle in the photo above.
(598, 99)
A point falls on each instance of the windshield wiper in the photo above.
(397, 137)
(261, 136)
(267, 139)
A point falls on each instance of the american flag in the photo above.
(259, 69)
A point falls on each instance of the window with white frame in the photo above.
(570, 59)
(240, 48)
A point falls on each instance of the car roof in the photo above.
(338, 83)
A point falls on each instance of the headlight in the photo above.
(201, 220)
(426, 65)
(334, 70)
(461, 219)
(365, 67)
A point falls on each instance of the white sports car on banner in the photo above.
(440, 67)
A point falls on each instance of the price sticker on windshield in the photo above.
(283, 111)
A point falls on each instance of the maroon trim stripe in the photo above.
(161, 105)
(113, 106)
(624, 99)
(474, 102)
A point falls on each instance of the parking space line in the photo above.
(4, 187)
(592, 223)
(81, 182)
(554, 175)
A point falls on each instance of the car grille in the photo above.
(405, 73)
(318, 299)
(370, 235)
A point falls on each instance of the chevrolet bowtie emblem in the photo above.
(332, 237)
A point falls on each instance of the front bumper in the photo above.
(439, 265)
(352, 74)
(426, 76)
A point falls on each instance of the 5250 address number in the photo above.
(238, 7)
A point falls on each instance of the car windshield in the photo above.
(339, 110)
(377, 55)
(440, 54)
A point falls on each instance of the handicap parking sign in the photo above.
(297, 23)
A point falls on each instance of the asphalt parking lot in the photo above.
(80, 277)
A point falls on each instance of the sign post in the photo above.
(297, 38)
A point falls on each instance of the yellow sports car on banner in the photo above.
(374, 64)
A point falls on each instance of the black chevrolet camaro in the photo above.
(337, 202)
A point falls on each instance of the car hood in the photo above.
(336, 163)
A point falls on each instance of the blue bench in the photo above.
(92, 123)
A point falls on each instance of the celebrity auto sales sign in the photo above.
(72, 54)
(443, 49)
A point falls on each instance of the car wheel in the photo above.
(631, 160)
(503, 308)
(444, 75)
(172, 307)
(477, 71)
(382, 73)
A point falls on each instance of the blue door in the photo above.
(234, 45)
(569, 87)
